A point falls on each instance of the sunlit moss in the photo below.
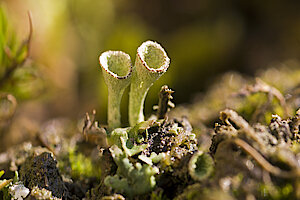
(82, 165)
(256, 107)
(269, 192)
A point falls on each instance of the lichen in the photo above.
(148, 153)
(130, 179)
(201, 166)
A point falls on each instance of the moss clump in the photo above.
(276, 192)
(82, 166)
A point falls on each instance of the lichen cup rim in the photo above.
(151, 63)
(104, 63)
(141, 55)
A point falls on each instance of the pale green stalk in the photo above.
(116, 68)
(151, 62)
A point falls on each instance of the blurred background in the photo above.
(203, 38)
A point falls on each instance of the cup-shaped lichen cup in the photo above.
(151, 62)
(116, 67)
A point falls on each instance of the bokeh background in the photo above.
(203, 38)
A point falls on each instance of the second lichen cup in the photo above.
(116, 68)
(151, 62)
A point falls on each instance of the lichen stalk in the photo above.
(151, 63)
(113, 114)
(116, 68)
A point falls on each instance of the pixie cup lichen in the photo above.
(116, 67)
(151, 62)
(200, 166)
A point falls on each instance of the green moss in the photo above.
(256, 107)
(158, 195)
(248, 107)
(82, 166)
(284, 192)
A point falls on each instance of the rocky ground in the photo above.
(240, 140)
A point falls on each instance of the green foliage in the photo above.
(18, 77)
(11, 52)
(26, 82)
(7, 40)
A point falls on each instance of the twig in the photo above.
(242, 124)
(15, 64)
(263, 162)
(274, 91)
(45, 143)
(164, 103)
(13, 103)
